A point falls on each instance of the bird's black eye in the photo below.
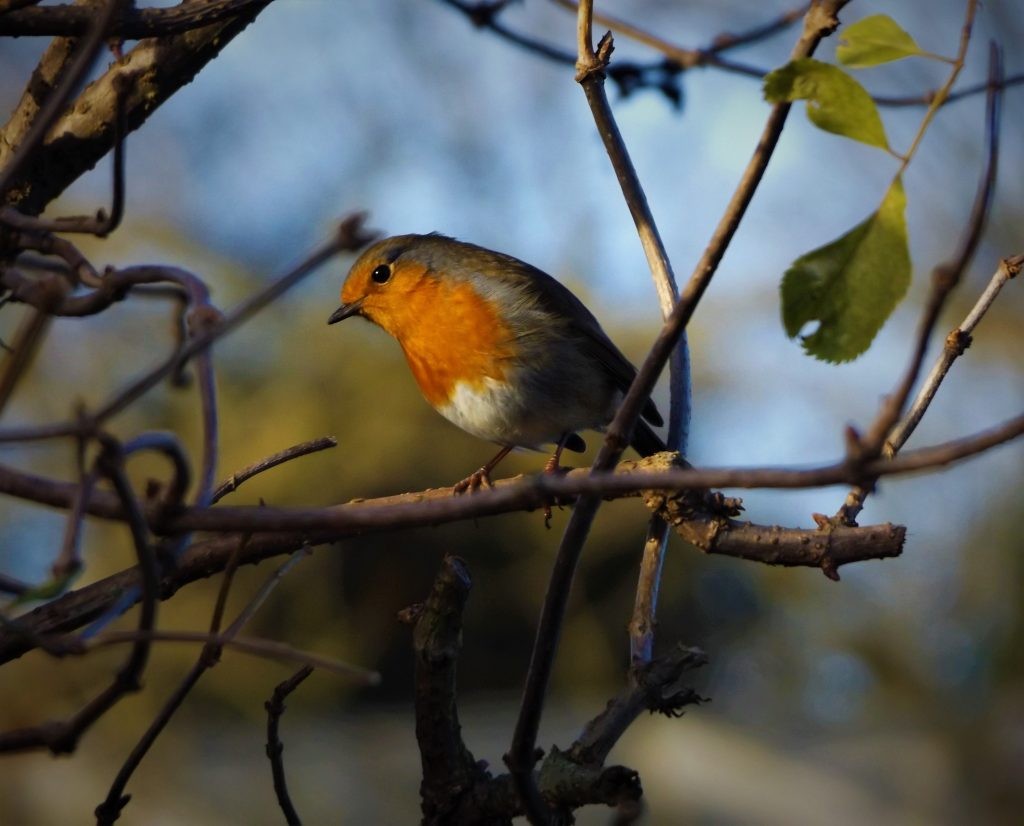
(381, 274)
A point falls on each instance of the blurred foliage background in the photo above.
(896, 695)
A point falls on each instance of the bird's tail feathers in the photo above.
(645, 441)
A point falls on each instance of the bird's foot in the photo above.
(551, 465)
(472, 483)
(552, 468)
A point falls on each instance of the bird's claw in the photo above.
(472, 483)
(552, 468)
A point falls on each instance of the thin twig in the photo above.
(62, 737)
(79, 270)
(268, 649)
(662, 75)
(113, 286)
(69, 562)
(236, 480)
(945, 278)
(350, 236)
(208, 406)
(643, 620)
(27, 340)
(952, 97)
(275, 748)
(956, 343)
(110, 809)
(692, 58)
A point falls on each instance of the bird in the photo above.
(498, 347)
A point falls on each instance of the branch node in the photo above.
(592, 64)
(957, 342)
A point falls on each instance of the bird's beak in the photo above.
(346, 310)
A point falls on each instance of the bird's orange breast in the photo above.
(450, 335)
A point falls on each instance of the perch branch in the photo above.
(283, 530)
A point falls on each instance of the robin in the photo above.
(498, 347)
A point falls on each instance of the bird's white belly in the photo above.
(494, 412)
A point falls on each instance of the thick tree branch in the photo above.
(22, 159)
(449, 768)
(153, 71)
(457, 790)
(291, 528)
(131, 24)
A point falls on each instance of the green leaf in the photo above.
(875, 40)
(835, 101)
(852, 285)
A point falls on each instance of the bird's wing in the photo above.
(557, 299)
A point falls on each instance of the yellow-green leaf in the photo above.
(835, 101)
(875, 40)
(850, 286)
